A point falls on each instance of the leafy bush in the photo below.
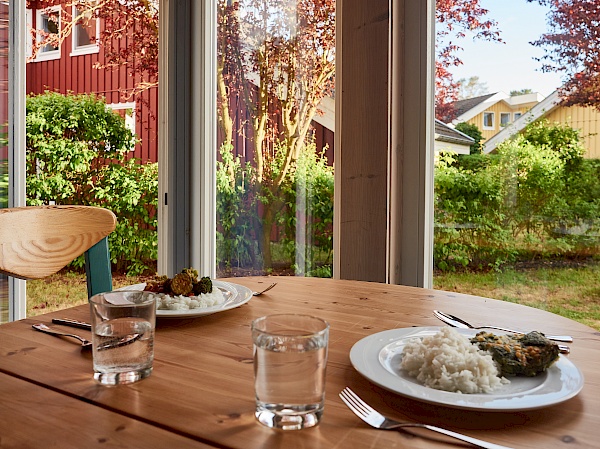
(236, 211)
(77, 153)
(558, 137)
(3, 184)
(309, 202)
(469, 217)
(306, 198)
(537, 197)
(473, 131)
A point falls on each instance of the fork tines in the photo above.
(360, 408)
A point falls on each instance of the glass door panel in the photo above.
(275, 108)
(4, 34)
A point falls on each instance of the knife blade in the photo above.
(462, 324)
(72, 323)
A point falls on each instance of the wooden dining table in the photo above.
(201, 394)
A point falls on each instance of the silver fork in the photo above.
(372, 417)
(265, 290)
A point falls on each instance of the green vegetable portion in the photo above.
(185, 283)
(527, 354)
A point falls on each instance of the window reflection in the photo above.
(275, 152)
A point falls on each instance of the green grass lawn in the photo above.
(570, 292)
(63, 290)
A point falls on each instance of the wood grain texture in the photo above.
(202, 384)
(361, 140)
(38, 241)
(35, 417)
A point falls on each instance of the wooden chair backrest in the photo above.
(37, 241)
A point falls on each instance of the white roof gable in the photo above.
(539, 110)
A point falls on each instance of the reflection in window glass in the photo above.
(4, 48)
(275, 153)
(49, 23)
(85, 31)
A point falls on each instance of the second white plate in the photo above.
(235, 295)
(378, 356)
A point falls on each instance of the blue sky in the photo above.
(509, 66)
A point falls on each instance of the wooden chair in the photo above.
(37, 241)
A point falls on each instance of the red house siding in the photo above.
(77, 74)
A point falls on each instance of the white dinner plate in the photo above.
(235, 295)
(378, 357)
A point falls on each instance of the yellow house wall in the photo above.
(497, 109)
(587, 120)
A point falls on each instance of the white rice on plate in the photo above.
(205, 300)
(448, 361)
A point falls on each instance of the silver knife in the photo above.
(72, 323)
(457, 322)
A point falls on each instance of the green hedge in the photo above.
(77, 152)
(307, 195)
(537, 197)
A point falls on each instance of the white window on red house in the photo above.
(127, 111)
(85, 33)
(47, 24)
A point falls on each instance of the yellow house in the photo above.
(491, 113)
(585, 119)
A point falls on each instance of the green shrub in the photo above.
(469, 220)
(557, 137)
(77, 153)
(236, 212)
(309, 201)
(473, 131)
(306, 197)
(537, 197)
(3, 184)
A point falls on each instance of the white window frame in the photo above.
(49, 55)
(187, 140)
(493, 115)
(517, 116)
(130, 118)
(502, 115)
(28, 42)
(84, 49)
(18, 33)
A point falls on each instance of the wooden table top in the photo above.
(201, 389)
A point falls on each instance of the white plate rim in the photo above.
(241, 295)
(365, 356)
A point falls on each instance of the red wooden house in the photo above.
(70, 68)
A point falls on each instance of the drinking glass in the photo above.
(123, 325)
(290, 359)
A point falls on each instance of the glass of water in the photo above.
(123, 325)
(290, 359)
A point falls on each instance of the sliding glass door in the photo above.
(275, 110)
(12, 136)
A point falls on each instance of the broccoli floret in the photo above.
(192, 273)
(204, 285)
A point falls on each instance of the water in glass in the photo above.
(289, 370)
(123, 348)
